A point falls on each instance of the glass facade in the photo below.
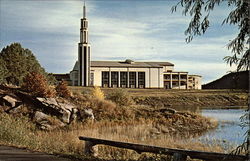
(123, 79)
(141, 79)
(132, 79)
(114, 79)
(105, 79)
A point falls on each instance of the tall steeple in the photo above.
(84, 52)
(84, 11)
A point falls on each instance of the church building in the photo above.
(126, 73)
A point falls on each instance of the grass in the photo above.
(174, 98)
(21, 132)
(134, 123)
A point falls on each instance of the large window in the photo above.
(141, 79)
(91, 79)
(114, 79)
(105, 79)
(132, 79)
(123, 79)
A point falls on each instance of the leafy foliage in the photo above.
(62, 90)
(37, 85)
(18, 62)
(200, 11)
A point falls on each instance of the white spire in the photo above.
(84, 11)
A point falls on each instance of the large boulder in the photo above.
(46, 122)
(60, 108)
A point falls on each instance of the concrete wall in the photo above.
(153, 76)
(194, 82)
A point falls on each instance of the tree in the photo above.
(62, 90)
(37, 85)
(3, 71)
(19, 62)
(240, 16)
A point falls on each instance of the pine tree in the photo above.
(18, 63)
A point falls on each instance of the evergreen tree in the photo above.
(3, 71)
(18, 62)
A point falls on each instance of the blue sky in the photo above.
(142, 30)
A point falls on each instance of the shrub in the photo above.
(98, 93)
(37, 85)
(121, 97)
(62, 90)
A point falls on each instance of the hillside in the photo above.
(237, 80)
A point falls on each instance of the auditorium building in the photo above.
(125, 73)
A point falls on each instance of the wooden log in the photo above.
(179, 157)
(91, 149)
(168, 151)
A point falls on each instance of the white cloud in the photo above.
(142, 31)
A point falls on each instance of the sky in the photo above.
(141, 30)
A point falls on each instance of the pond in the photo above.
(229, 130)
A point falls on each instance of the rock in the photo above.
(86, 114)
(63, 110)
(164, 130)
(10, 101)
(73, 116)
(169, 110)
(46, 122)
(155, 131)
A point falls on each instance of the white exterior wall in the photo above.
(168, 68)
(153, 76)
(156, 78)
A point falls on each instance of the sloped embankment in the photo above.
(208, 99)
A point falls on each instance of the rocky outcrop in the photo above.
(46, 122)
(47, 113)
(62, 110)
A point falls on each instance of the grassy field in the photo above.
(163, 97)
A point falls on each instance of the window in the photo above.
(166, 76)
(141, 79)
(91, 79)
(105, 79)
(132, 79)
(123, 79)
(114, 79)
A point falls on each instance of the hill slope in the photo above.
(237, 80)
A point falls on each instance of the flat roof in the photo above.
(133, 64)
(121, 64)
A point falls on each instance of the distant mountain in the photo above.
(234, 80)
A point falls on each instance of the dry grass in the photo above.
(21, 132)
(136, 124)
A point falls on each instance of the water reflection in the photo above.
(229, 129)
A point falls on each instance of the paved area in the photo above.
(8, 153)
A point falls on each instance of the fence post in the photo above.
(179, 157)
(91, 148)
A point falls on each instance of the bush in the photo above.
(37, 85)
(98, 93)
(62, 90)
(121, 97)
